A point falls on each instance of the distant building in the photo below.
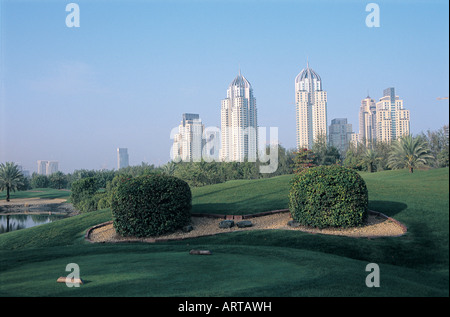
(341, 134)
(392, 120)
(239, 124)
(367, 121)
(188, 142)
(311, 108)
(122, 158)
(47, 167)
(42, 167)
(52, 167)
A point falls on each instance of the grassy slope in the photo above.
(242, 196)
(44, 193)
(255, 263)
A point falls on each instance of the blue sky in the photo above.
(126, 75)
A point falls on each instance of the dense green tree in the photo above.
(439, 146)
(82, 193)
(39, 181)
(324, 153)
(10, 178)
(57, 180)
(303, 160)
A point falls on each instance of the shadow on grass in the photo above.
(242, 207)
(220, 189)
(212, 208)
(389, 208)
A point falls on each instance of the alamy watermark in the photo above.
(73, 18)
(73, 279)
(373, 278)
(213, 144)
(373, 18)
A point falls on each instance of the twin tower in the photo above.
(239, 123)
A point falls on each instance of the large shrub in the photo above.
(150, 205)
(82, 192)
(328, 196)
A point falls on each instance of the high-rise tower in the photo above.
(367, 121)
(188, 142)
(122, 158)
(311, 108)
(392, 118)
(239, 123)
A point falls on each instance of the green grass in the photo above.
(43, 193)
(242, 196)
(251, 263)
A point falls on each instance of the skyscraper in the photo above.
(367, 121)
(42, 167)
(311, 108)
(52, 167)
(188, 142)
(47, 167)
(341, 134)
(239, 123)
(392, 120)
(122, 158)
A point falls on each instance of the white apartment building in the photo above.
(311, 108)
(188, 142)
(47, 167)
(239, 125)
(367, 121)
(392, 120)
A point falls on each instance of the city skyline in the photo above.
(126, 74)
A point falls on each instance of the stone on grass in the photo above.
(293, 223)
(244, 224)
(188, 228)
(226, 224)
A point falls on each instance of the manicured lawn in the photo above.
(242, 196)
(44, 193)
(252, 263)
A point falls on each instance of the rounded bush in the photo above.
(328, 196)
(150, 205)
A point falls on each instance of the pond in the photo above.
(21, 221)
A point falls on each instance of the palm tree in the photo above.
(169, 168)
(10, 177)
(409, 152)
(371, 158)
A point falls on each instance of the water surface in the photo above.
(21, 221)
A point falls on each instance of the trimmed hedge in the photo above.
(329, 196)
(151, 205)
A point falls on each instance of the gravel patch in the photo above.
(377, 225)
(37, 206)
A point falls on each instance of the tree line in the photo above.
(430, 149)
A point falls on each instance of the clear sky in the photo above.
(128, 73)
